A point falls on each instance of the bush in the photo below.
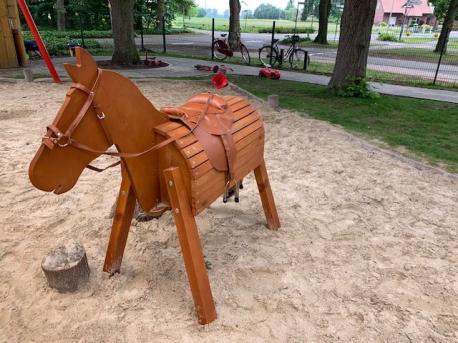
(168, 30)
(283, 29)
(359, 88)
(388, 37)
(73, 34)
(289, 39)
(383, 24)
(58, 46)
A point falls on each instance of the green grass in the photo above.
(250, 25)
(425, 128)
(416, 54)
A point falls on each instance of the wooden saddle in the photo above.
(209, 117)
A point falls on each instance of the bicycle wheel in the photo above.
(217, 51)
(245, 53)
(265, 53)
(296, 59)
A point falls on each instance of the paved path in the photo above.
(198, 44)
(184, 67)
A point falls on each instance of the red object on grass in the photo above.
(43, 51)
(219, 81)
(269, 73)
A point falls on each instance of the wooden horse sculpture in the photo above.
(178, 159)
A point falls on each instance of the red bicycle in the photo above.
(222, 50)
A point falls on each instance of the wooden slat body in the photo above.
(205, 183)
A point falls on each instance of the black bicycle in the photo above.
(294, 55)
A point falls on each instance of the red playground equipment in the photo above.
(41, 46)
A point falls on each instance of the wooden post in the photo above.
(272, 101)
(121, 224)
(267, 198)
(66, 267)
(190, 246)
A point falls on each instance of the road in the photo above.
(199, 43)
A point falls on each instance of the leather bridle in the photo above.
(55, 138)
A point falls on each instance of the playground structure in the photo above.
(12, 51)
(180, 159)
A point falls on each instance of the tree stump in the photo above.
(28, 74)
(66, 267)
(272, 101)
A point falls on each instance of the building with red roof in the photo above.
(397, 12)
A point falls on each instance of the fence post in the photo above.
(164, 47)
(440, 57)
(81, 29)
(141, 32)
(306, 57)
(272, 42)
(213, 38)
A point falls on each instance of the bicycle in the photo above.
(221, 49)
(294, 55)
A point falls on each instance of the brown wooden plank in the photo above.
(245, 122)
(247, 130)
(121, 223)
(191, 247)
(204, 200)
(243, 112)
(267, 197)
(192, 149)
(197, 160)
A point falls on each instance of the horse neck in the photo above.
(130, 119)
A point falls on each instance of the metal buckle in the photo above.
(59, 138)
(101, 115)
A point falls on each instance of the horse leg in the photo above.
(267, 198)
(190, 246)
(121, 223)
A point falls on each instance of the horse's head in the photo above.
(58, 162)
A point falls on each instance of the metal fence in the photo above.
(406, 57)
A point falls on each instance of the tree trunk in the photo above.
(355, 35)
(60, 10)
(447, 26)
(160, 12)
(122, 20)
(234, 24)
(324, 10)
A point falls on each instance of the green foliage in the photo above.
(268, 11)
(441, 7)
(358, 88)
(72, 34)
(387, 37)
(288, 40)
(57, 44)
(285, 29)
(383, 24)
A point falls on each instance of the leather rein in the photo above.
(56, 138)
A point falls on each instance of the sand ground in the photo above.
(367, 251)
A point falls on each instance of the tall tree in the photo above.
(60, 10)
(160, 13)
(355, 34)
(234, 24)
(447, 26)
(122, 21)
(324, 9)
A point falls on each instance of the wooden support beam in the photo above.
(190, 246)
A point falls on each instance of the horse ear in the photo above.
(72, 71)
(85, 69)
(84, 58)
